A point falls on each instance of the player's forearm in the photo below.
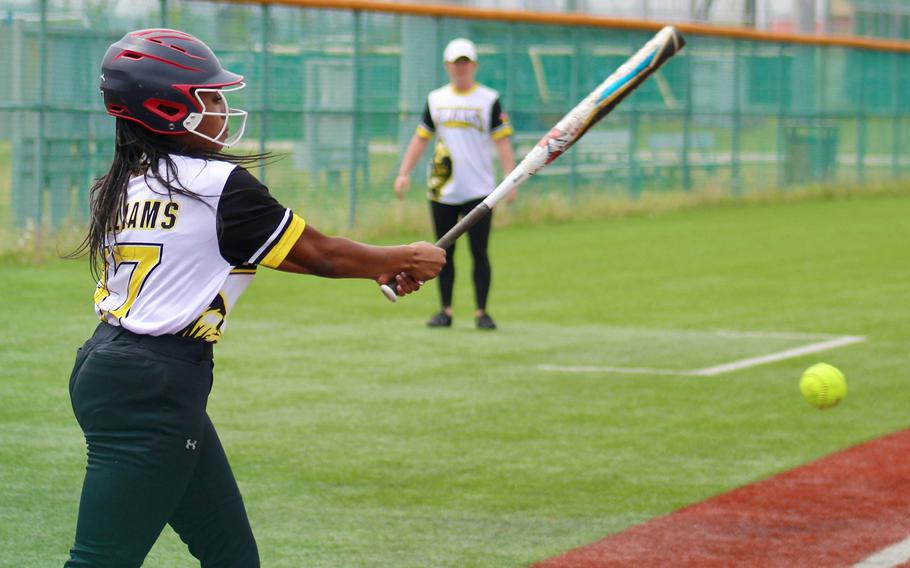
(506, 155)
(416, 148)
(338, 257)
(344, 258)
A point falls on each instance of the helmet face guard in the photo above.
(228, 135)
(155, 77)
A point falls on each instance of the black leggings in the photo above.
(444, 218)
(154, 457)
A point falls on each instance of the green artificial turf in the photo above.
(361, 438)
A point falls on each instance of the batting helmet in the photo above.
(154, 77)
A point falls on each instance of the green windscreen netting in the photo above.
(338, 94)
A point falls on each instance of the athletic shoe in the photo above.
(440, 319)
(485, 322)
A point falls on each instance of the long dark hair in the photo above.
(138, 151)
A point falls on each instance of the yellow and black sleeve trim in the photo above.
(283, 243)
(245, 269)
(502, 132)
(423, 132)
(500, 125)
(427, 127)
(249, 220)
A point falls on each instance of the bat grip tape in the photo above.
(463, 226)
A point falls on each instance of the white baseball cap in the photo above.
(459, 47)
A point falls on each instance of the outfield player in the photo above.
(465, 117)
(178, 231)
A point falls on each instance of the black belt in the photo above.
(171, 345)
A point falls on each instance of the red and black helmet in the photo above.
(150, 76)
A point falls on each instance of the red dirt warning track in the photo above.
(832, 512)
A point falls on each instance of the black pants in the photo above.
(444, 218)
(154, 457)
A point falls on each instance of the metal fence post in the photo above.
(687, 125)
(355, 128)
(781, 86)
(633, 179)
(265, 89)
(39, 181)
(821, 144)
(19, 201)
(573, 96)
(861, 125)
(438, 70)
(735, 174)
(895, 111)
(510, 64)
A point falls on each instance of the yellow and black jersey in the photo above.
(464, 123)
(177, 264)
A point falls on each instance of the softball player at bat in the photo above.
(178, 231)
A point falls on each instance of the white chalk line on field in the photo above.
(624, 370)
(894, 555)
(779, 356)
(833, 342)
(774, 335)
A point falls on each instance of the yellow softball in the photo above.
(823, 385)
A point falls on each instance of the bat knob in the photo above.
(389, 292)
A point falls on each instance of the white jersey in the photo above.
(464, 123)
(176, 264)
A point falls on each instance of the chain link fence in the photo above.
(337, 94)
